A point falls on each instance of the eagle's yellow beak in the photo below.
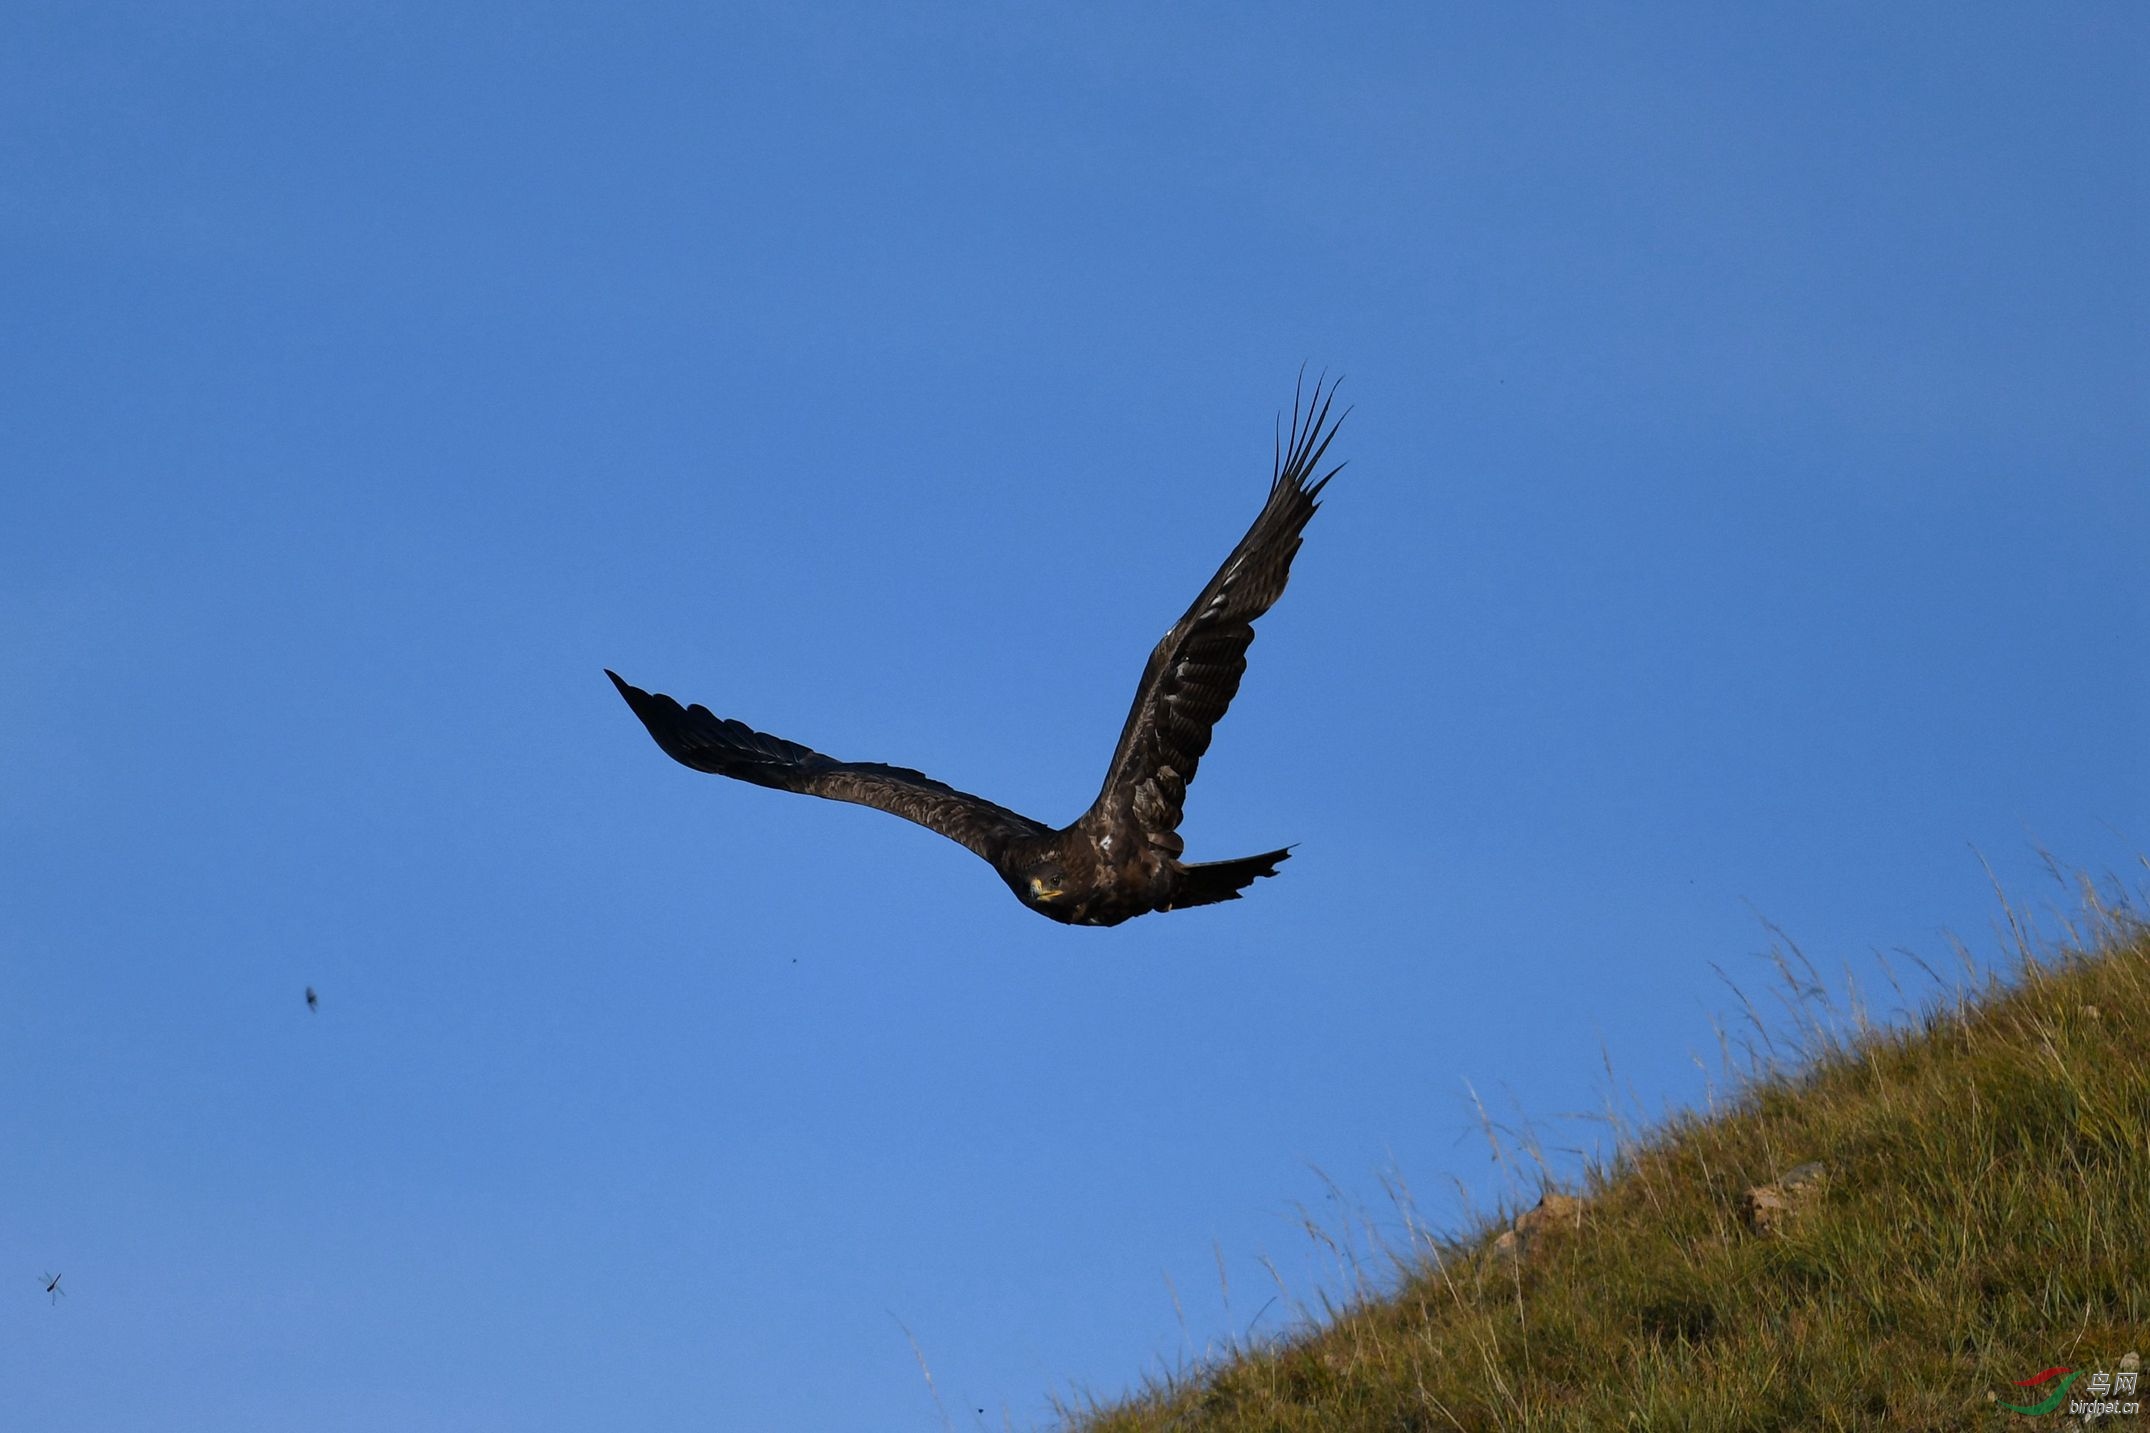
(1039, 891)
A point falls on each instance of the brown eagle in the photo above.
(1121, 858)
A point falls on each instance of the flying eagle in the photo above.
(1121, 858)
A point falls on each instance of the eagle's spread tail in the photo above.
(1208, 882)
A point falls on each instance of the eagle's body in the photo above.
(1119, 859)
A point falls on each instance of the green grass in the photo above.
(1984, 1214)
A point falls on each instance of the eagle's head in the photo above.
(1047, 884)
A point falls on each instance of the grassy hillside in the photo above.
(1937, 1212)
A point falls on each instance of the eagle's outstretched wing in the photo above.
(697, 737)
(1194, 672)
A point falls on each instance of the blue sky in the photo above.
(1744, 521)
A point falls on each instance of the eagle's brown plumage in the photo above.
(1120, 859)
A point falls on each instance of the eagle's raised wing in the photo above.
(697, 737)
(1194, 672)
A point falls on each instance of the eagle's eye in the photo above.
(1047, 884)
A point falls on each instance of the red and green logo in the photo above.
(2060, 1390)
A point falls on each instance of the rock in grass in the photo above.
(1554, 1211)
(1770, 1208)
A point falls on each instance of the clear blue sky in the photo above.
(1745, 519)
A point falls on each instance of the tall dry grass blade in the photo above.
(920, 1354)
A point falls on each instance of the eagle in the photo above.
(1121, 858)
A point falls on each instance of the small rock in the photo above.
(1766, 1208)
(1552, 1210)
